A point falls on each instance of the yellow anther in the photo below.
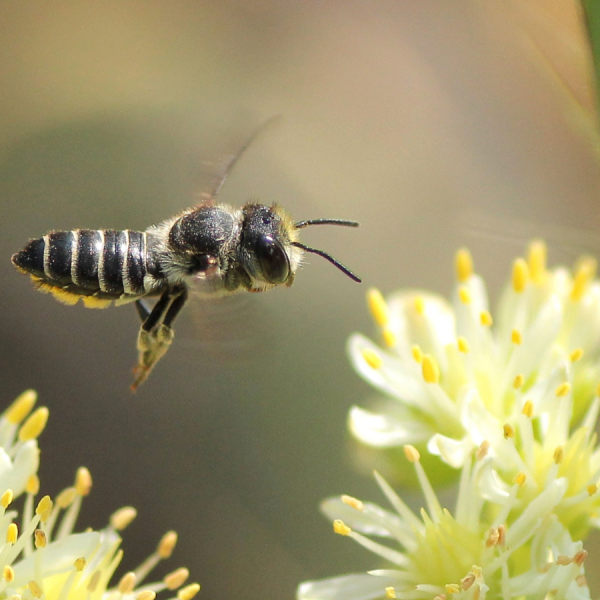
(167, 544)
(486, 318)
(585, 273)
(378, 307)
(536, 259)
(389, 337)
(520, 275)
(520, 479)
(6, 499)
(83, 481)
(463, 345)
(66, 497)
(430, 369)
(372, 358)
(390, 592)
(188, 592)
(420, 305)
(467, 581)
(502, 535)
(8, 573)
(33, 485)
(516, 337)
(341, 528)
(127, 583)
(528, 409)
(464, 295)
(353, 502)
(576, 355)
(44, 506)
(40, 538)
(563, 389)
(94, 580)
(580, 557)
(176, 579)
(417, 353)
(412, 454)
(519, 381)
(509, 431)
(12, 533)
(452, 588)
(464, 265)
(563, 560)
(483, 450)
(146, 595)
(122, 517)
(35, 589)
(558, 455)
(492, 538)
(34, 425)
(79, 564)
(21, 407)
(592, 489)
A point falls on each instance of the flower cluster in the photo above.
(40, 555)
(512, 401)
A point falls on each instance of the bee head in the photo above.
(270, 250)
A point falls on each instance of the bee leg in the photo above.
(142, 309)
(154, 337)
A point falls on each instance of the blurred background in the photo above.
(435, 124)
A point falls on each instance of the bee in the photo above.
(214, 247)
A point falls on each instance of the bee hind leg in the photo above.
(156, 335)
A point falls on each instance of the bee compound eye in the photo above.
(273, 261)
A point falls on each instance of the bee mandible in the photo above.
(223, 249)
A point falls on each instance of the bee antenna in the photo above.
(342, 222)
(236, 157)
(330, 258)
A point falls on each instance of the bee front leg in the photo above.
(155, 336)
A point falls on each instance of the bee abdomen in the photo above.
(103, 264)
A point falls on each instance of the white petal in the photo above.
(451, 451)
(384, 431)
(14, 474)
(355, 587)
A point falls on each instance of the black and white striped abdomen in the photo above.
(96, 265)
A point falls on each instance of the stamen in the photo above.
(389, 337)
(520, 479)
(6, 499)
(66, 497)
(464, 265)
(33, 485)
(563, 389)
(430, 369)
(483, 450)
(127, 583)
(467, 581)
(463, 345)
(12, 533)
(464, 295)
(390, 592)
(94, 580)
(516, 337)
(412, 454)
(592, 489)
(353, 502)
(580, 557)
(558, 455)
(598, 390)
(187, 593)
(121, 518)
(418, 353)
(8, 574)
(420, 305)
(452, 588)
(519, 381)
(372, 359)
(44, 507)
(378, 307)
(83, 481)
(35, 589)
(176, 579)
(34, 425)
(340, 528)
(509, 431)
(40, 538)
(576, 355)
(586, 271)
(21, 407)
(492, 538)
(528, 409)
(536, 260)
(167, 544)
(146, 595)
(486, 318)
(79, 564)
(520, 275)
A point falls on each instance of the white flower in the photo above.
(40, 555)
(483, 550)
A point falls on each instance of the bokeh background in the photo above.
(435, 124)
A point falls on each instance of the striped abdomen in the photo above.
(97, 266)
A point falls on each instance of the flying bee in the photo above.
(213, 246)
